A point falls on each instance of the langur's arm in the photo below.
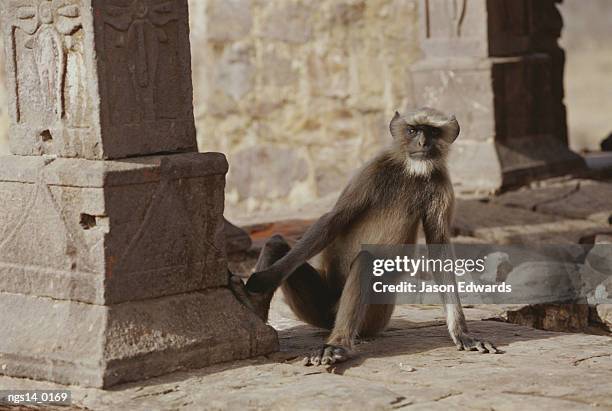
(352, 202)
(436, 224)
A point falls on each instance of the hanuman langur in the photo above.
(406, 184)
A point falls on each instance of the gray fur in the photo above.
(382, 204)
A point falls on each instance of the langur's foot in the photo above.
(258, 303)
(468, 343)
(264, 281)
(327, 355)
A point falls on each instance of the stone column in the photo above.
(496, 64)
(112, 261)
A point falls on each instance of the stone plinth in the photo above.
(111, 270)
(497, 66)
(103, 345)
(98, 79)
(105, 232)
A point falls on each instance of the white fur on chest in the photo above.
(419, 167)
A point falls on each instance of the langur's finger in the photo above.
(481, 347)
(492, 348)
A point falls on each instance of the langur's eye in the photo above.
(435, 132)
(411, 130)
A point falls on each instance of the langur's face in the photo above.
(425, 134)
(422, 141)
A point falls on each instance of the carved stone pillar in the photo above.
(496, 64)
(110, 270)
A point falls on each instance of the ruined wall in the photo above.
(588, 70)
(297, 93)
(4, 120)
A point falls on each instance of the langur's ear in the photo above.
(397, 126)
(452, 129)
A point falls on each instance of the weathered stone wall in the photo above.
(297, 93)
(4, 120)
(89, 82)
(588, 70)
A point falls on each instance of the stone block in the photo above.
(288, 21)
(507, 109)
(267, 171)
(466, 161)
(602, 315)
(453, 28)
(499, 97)
(104, 232)
(591, 200)
(497, 224)
(473, 218)
(237, 241)
(532, 199)
(98, 79)
(100, 346)
(458, 86)
(552, 317)
(545, 282)
(535, 157)
(488, 28)
(228, 20)
(523, 96)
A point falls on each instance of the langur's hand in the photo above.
(264, 281)
(466, 342)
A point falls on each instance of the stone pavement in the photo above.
(413, 364)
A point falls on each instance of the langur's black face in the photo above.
(422, 141)
(425, 134)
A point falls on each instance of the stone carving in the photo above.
(64, 238)
(458, 14)
(500, 60)
(120, 263)
(141, 30)
(89, 78)
(47, 51)
(455, 10)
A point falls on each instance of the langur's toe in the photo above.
(468, 343)
(326, 355)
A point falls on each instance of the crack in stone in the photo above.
(550, 397)
(203, 291)
(397, 400)
(578, 361)
(443, 397)
(536, 206)
(154, 394)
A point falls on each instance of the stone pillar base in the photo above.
(497, 66)
(509, 124)
(114, 271)
(99, 346)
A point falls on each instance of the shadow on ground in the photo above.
(402, 338)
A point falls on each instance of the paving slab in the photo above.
(500, 224)
(530, 199)
(577, 199)
(593, 201)
(412, 365)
